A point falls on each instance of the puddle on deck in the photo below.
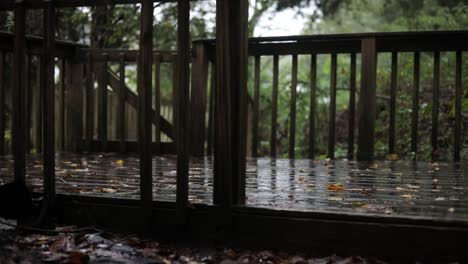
(392, 188)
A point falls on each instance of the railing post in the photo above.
(2, 103)
(183, 100)
(145, 111)
(89, 118)
(367, 100)
(49, 105)
(18, 131)
(102, 104)
(198, 99)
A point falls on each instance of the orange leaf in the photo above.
(335, 187)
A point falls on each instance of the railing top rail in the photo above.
(351, 42)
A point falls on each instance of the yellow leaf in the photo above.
(392, 157)
(108, 190)
(119, 163)
(335, 187)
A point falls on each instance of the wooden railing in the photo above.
(367, 46)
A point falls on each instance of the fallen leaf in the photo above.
(392, 157)
(335, 187)
(108, 190)
(119, 163)
(451, 210)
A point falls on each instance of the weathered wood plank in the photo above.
(367, 100)
(458, 105)
(210, 133)
(27, 104)
(293, 107)
(121, 124)
(39, 99)
(102, 106)
(63, 84)
(313, 104)
(198, 100)
(9, 4)
(332, 110)
(183, 102)
(19, 56)
(74, 110)
(435, 106)
(89, 102)
(256, 107)
(274, 106)
(393, 90)
(2, 103)
(415, 106)
(352, 106)
(145, 111)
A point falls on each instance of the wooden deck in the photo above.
(393, 189)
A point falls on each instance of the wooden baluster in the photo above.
(435, 106)
(144, 111)
(352, 106)
(367, 100)
(332, 114)
(40, 74)
(274, 106)
(157, 101)
(27, 105)
(102, 99)
(393, 88)
(18, 130)
(183, 102)
(2, 103)
(256, 103)
(313, 104)
(458, 105)
(415, 107)
(210, 133)
(121, 126)
(174, 91)
(292, 124)
(89, 102)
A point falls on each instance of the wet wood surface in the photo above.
(386, 188)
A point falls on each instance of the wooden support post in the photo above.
(39, 104)
(435, 106)
(74, 109)
(210, 133)
(18, 131)
(145, 110)
(2, 103)
(313, 104)
(256, 107)
(352, 106)
(458, 105)
(121, 128)
(89, 102)
(49, 106)
(174, 91)
(157, 102)
(102, 104)
(332, 113)
(63, 83)
(292, 121)
(393, 88)
(415, 107)
(367, 100)
(183, 101)
(198, 100)
(274, 106)
(27, 103)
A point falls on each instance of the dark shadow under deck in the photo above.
(400, 189)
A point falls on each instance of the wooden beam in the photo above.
(256, 107)
(183, 102)
(27, 103)
(210, 132)
(121, 126)
(313, 104)
(332, 113)
(198, 100)
(74, 110)
(49, 106)
(18, 131)
(103, 105)
(367, 100)
(352, 106)
(415, 106)
(393, 90)
(435, 106)
(145, 111)
(274, 106)
(40, 75)
(293, 107)
(89, 102)
(157, 101)
(458, 105)
(63, 85)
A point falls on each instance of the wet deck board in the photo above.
(386, 188)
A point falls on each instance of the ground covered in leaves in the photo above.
(71, 245)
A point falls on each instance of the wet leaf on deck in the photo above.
(335, 187)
